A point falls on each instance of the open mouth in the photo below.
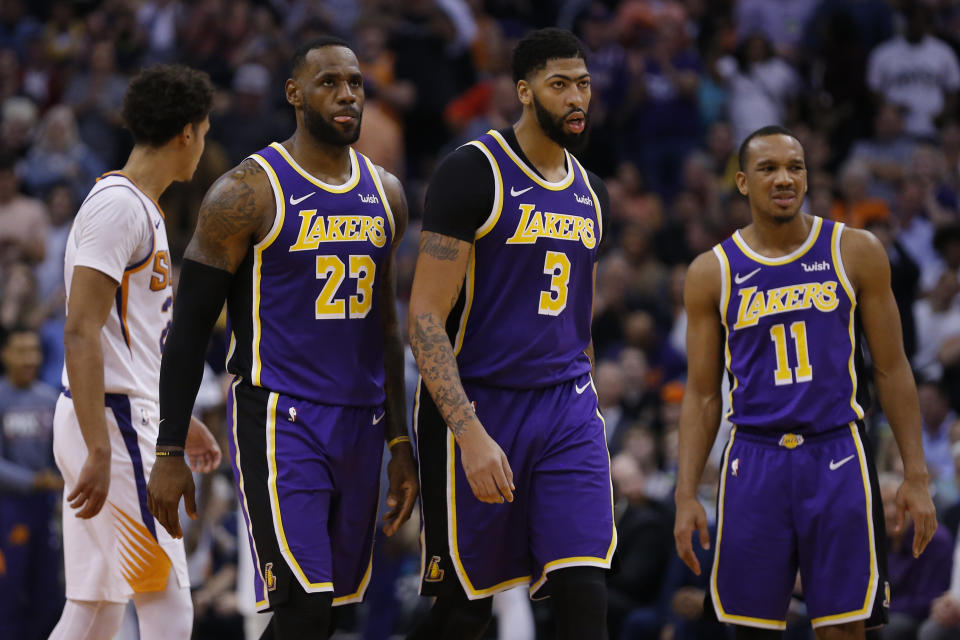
(576, 122)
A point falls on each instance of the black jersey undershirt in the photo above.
(461, 192)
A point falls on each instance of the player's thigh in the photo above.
(285, 489)
(755, 563)
(115, 553)
(570, 498)
(841, 533)
(471, 545)
(353, 440)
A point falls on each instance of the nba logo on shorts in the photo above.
(292, 414)
(434, 572)
(735, 466)
(268, 578)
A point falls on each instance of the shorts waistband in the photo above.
(790, 439)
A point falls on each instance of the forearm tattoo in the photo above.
(438, 366)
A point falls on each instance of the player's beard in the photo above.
(327, 133)
(553, 127)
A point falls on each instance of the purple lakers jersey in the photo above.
(790, 340)
(303, 310)
(529, 286)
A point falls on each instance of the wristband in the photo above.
(397, 440)
(169, 453)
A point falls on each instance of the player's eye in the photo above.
(584, 84)
(559, 84)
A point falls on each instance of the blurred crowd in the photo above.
(869, 87)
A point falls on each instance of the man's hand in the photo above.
(90, 494)
(169, 481)
(913, 497)
(946, 610)
(486, 467)
(201, 448)
(47, 480)
(690, 517)
(404, 486)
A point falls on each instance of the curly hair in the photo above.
(162, 100)
(537, 47)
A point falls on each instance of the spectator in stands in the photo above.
(944, 620)
(17, 123)
(763, 87)
(96, 96)
(59, 155)
(938, 420)
(644, 547)
(29, 553)
(914, 582)
(916, 70)
(855, 207)
(886, 154)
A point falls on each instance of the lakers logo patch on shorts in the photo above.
(434, 572)
(268, 578)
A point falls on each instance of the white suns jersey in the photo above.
(119, 231)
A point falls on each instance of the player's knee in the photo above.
(578, 598)
(468, 619)
(752, 633)
(303, 616)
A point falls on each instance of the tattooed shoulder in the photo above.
(440, 246)
(233, 212)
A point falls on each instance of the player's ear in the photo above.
(187, 133)
(524, 92)
(294, 95)
(741, 179)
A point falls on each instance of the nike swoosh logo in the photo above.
(836, 465)
(377, 419)
(580, 390)
(157, 224)
(294, 201)
(741, 279)
(515, 193)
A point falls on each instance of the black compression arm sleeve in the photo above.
(200, 298)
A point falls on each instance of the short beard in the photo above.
(326, 133)
(553, 127)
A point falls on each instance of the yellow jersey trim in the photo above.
(586, 561)
(357, 596)
(262, 600)
(845, 283)
(309, 587)
(552, 186)
(865, 610)
(472, 592)
(258, 249)
(497, 209)
(416, 432)
(468, 300)
(723, 616)
(332, 188)
(596, 200)
(725, 288)
(773, 262)
(383, 196)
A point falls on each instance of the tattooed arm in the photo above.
(401, 470)
(441, 267)
(237, 211)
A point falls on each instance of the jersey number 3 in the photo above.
(554, 301)
(332, 269)
(803, 371)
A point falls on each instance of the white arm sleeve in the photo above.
(112, 231)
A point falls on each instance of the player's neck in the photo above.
(326, 162)
(543, 153)
(771, 238)
(152, 170)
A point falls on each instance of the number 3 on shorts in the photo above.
(552, 302)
